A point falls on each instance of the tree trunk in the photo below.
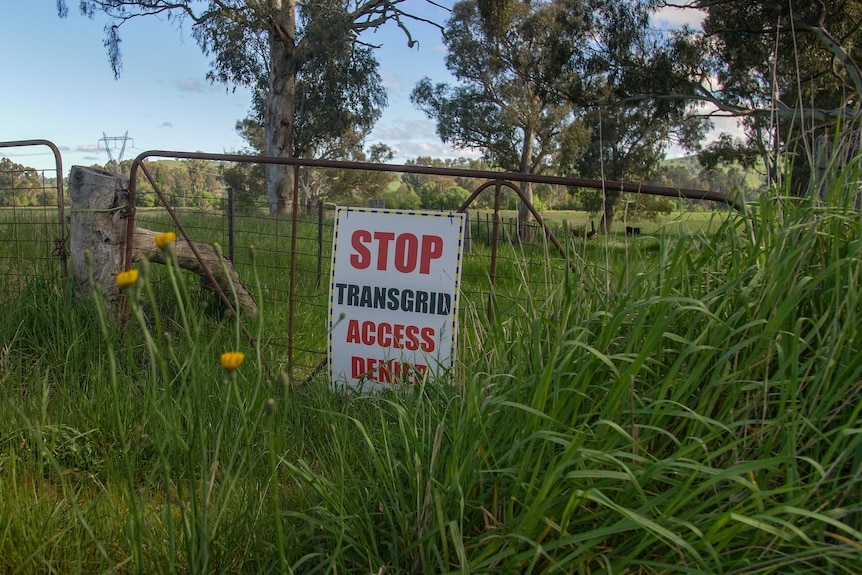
(525, 216)
(609, 210)
(99, 200)
(281, 105)
(607, 218)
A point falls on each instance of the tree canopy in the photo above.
(502, 59)
(21, 186)
(314, 77)
(582, 87)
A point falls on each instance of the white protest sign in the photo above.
(393, 296)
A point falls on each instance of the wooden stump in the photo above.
(99, 204)
(98, 199)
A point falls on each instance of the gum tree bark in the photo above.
(281, 105)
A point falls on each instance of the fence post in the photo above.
(291, 304)
(230, 225)
(99, 200)
(319, 241)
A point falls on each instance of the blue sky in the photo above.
(57, 85)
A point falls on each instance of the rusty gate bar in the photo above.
(291, 304)
(319, 242)
(549, 234)
(632, 187)
(495, 234)
(495, 241)
(505, 177)
(62, 252)
(495, 178)
(130, 230)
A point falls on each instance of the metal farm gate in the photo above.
(284, 259)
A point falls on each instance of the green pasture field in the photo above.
(683, 401)
(29, 254)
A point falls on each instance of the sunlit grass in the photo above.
(685, 401)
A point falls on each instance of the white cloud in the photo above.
(726, 125)
(676, 17)
(403, 130)
(194, 85)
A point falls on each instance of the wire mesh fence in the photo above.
(32, 226)
(258, 244)
(283, 257)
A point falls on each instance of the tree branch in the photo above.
(817, 28)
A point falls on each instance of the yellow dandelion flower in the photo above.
(230, 360)
(127, 278)
(163, 240)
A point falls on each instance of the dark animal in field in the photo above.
(584, 232)
(630, 231)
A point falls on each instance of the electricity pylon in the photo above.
(107, 141)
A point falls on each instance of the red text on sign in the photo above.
(386, 371)
(409, 337)
(405, 252)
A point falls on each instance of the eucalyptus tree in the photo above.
(557, 85)
(313, 74)
(631, 123)
(347, 185)
(503, 54)
(789, 70)
(627, 143)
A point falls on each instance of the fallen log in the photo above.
(221, 268)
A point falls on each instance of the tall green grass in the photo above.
(684, 403)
